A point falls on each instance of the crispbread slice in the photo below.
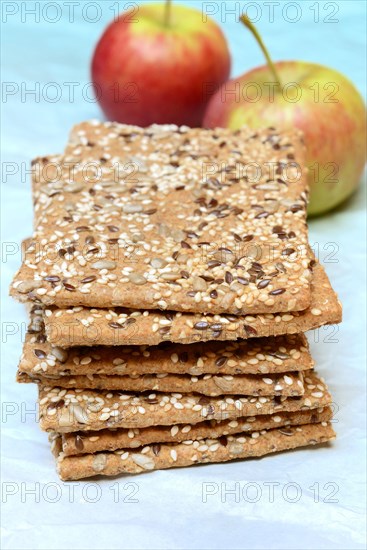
(70, 410)
(172, 236)
(158, 457)
(78, 326)
(288, 384)
(110, 440)
(253, 356)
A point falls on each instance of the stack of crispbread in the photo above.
(170, 280)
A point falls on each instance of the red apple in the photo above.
(159, 65)
(320, 101)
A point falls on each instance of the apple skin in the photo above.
(334, 132)
(163, 74)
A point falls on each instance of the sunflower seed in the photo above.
(104, 264)
(143, 461)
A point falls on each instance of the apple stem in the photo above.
(246, 21)
(167, 13)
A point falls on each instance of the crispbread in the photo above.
(158, 457)
(174, 238)
(181, 245)
(65, 411)
(110, 440)
(288, 384)
(78, 326)
(253, 356)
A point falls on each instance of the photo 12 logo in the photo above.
(269, 491)
(271, 12)
(29, 12)
(72, 493)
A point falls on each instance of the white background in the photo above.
(319, 495)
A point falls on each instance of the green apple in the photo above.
(320, 101)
